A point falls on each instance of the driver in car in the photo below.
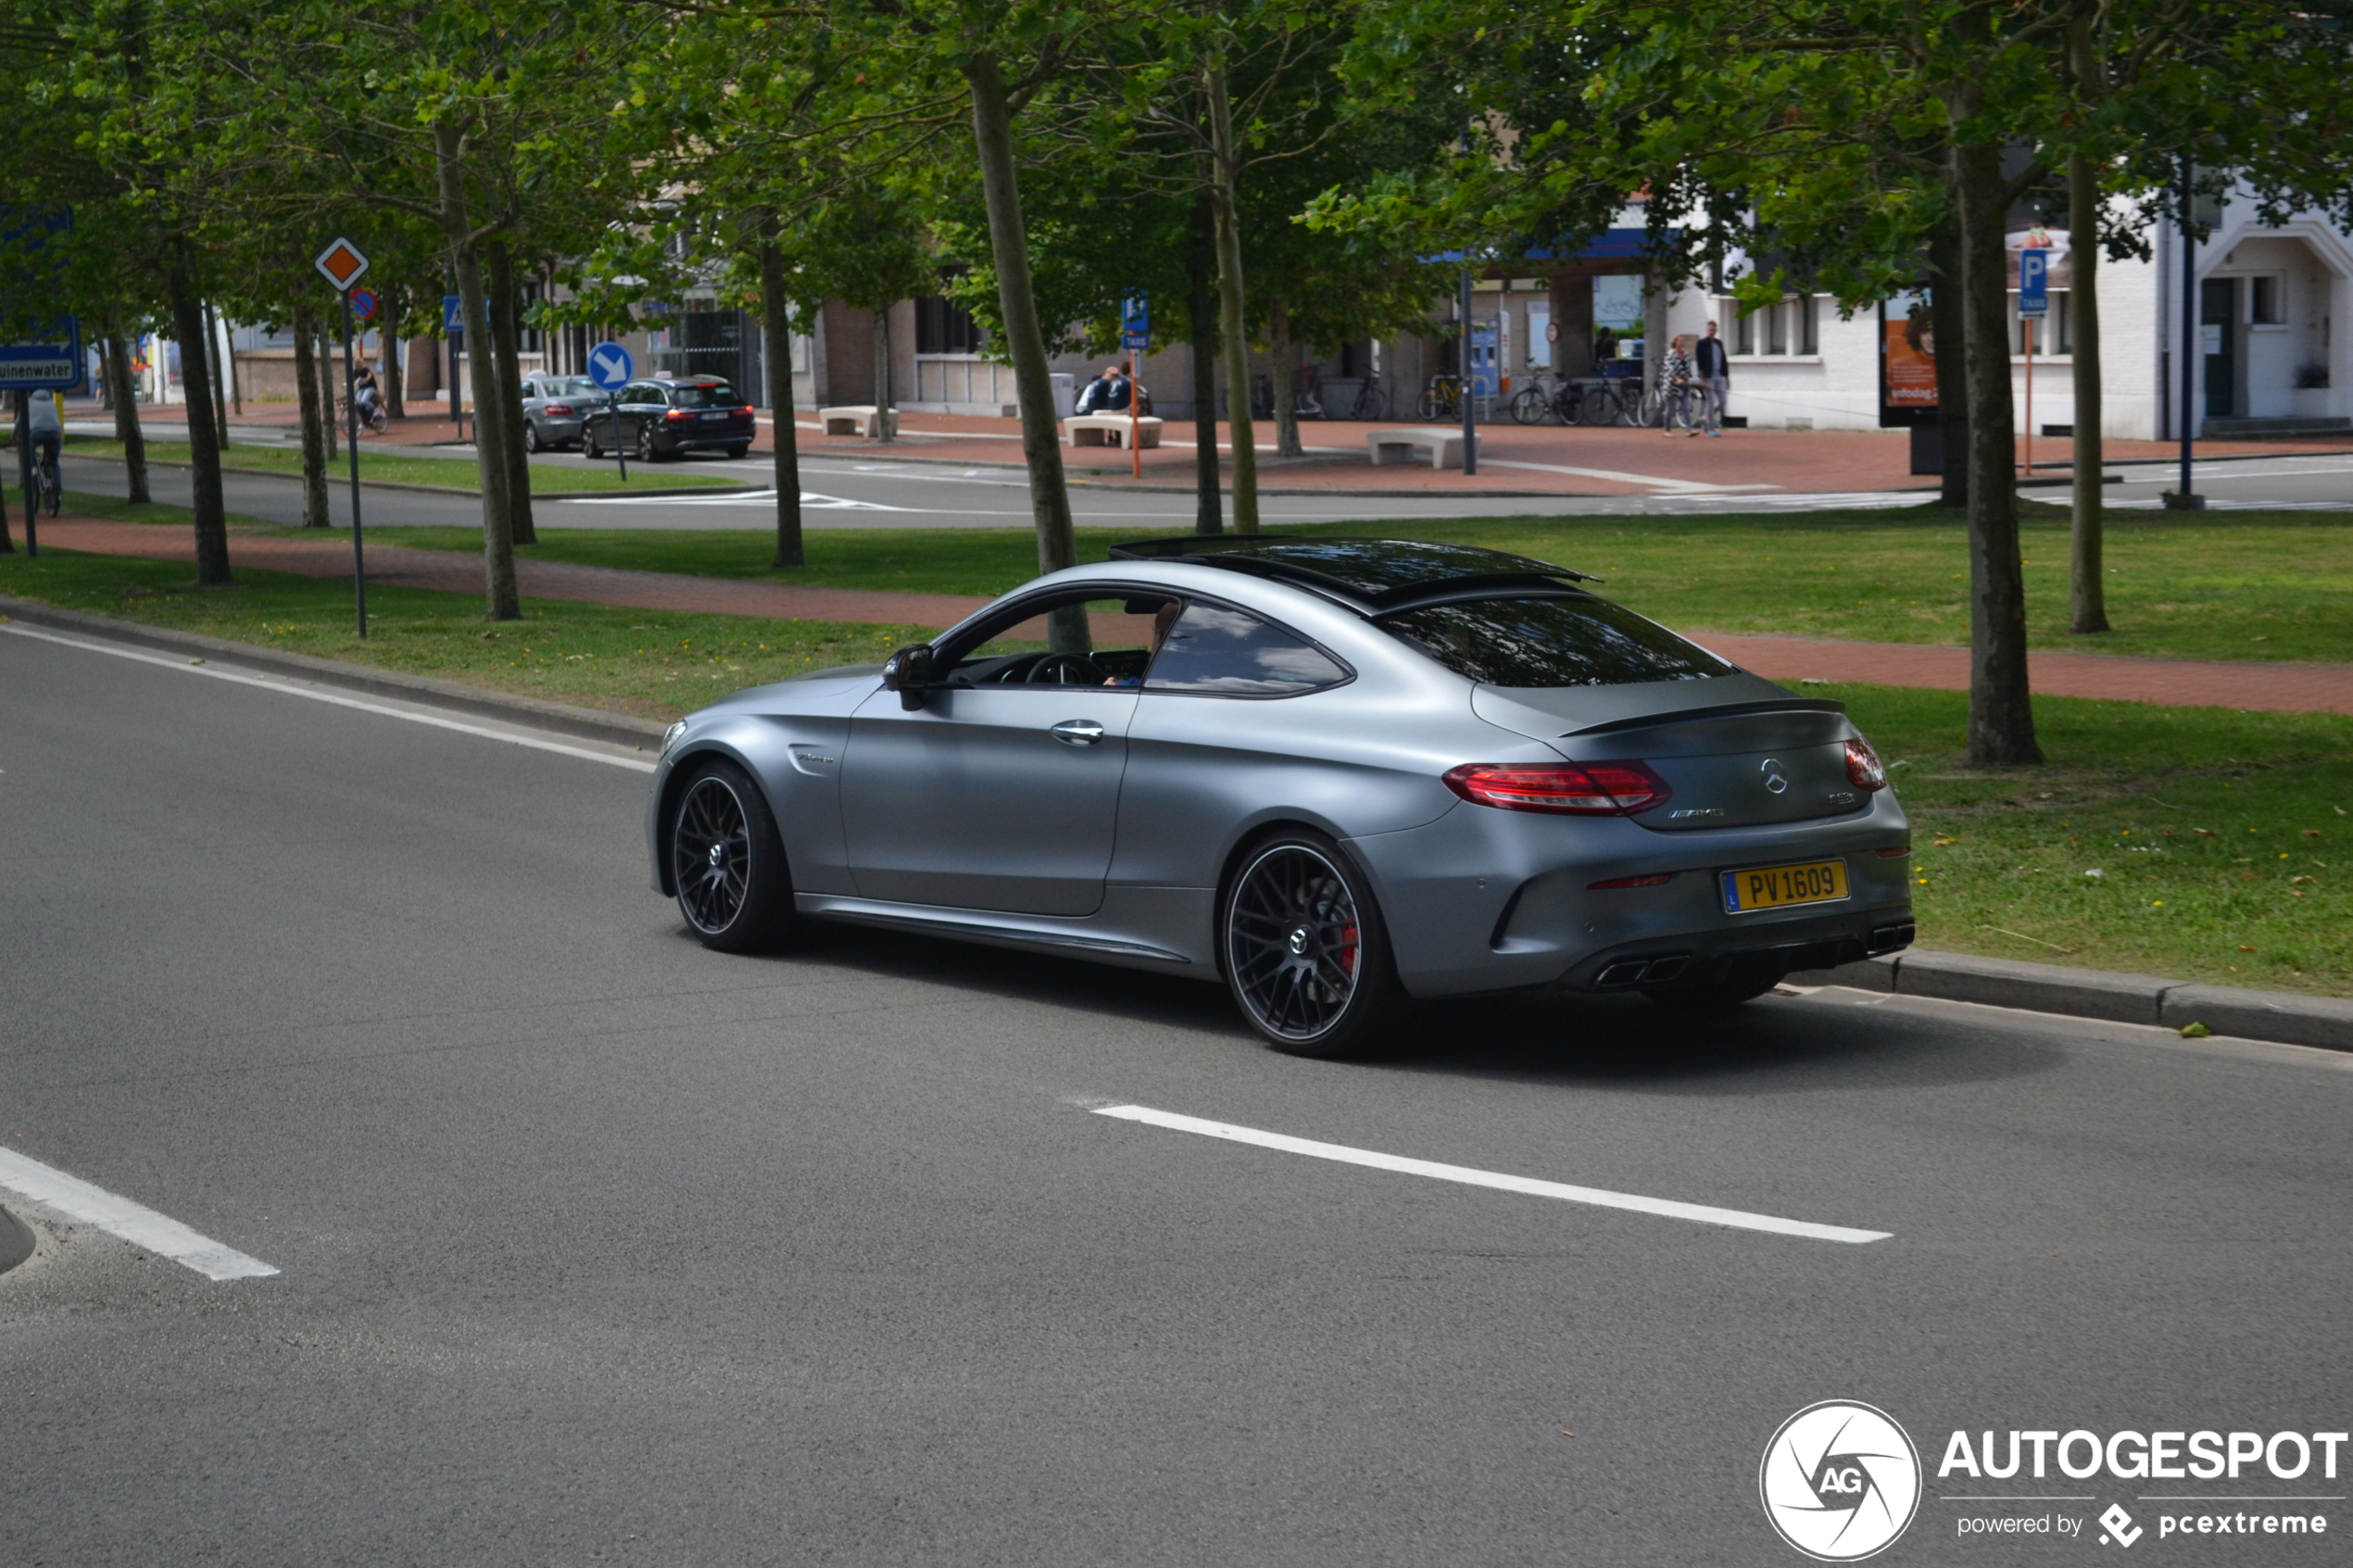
(1164, 619)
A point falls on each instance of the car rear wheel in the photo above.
(727, 861)
(739, 448)
(1306, 952)
(530, 442)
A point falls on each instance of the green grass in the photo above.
(654, 664)
(2256, 585)
(2201, 821)
(2223, 838)
(393, 466)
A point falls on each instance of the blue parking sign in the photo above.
(2034, 283)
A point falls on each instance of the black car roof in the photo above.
(1377, 573)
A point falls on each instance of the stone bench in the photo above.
(1111, 429)
(856, 419)
(1390, 447)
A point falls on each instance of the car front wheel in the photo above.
(1306, 952)
(728, 862)
(646, 453)
(589, 445)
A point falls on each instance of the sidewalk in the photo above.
(1533, 460)
(2272, 688)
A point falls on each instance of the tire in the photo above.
(646, 453)
(1372, 403)
(1528, 407)
(738, 449)
(589, 446)
(727, 861)
(1426, 406)
(1305, 950)
(1650, 411)
(530, 442)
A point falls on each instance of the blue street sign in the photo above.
(1134, 322)
(609, 366)
(43, 367)
(2034, 283)
(363, 303)
(453, 313)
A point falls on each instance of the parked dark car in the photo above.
(555, 409)
(662, 418)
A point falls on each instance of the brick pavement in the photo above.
(2278, 688)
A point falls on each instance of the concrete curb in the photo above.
(16, 1241)
(2282, 1016)
(586, 723)
(367, 484)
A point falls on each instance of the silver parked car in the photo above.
(554, 410)
(1322, 771)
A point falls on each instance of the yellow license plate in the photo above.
(1777, 887)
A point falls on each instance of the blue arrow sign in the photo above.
(2034, 283)
(1134, 322)
(609, 366)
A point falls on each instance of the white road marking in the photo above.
(637, 764)
(1700, 1212)
(141, 1227)
(809, 498)
(1668, 486)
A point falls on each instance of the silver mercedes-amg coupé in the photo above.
(1322, 771)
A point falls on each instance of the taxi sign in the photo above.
(1134, 322)
(341, 264)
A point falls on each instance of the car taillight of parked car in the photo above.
(1863, 765)
(1576, 789)
(564, 410)
(679, 414)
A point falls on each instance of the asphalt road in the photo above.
(840, 494)
(597, 1246)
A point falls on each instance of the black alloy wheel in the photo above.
(646, 453)
(1306, 955)
(589, 445)
(729, 861)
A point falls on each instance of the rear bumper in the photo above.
(1710, 958)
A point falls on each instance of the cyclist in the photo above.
(38, 416)
(364, 392)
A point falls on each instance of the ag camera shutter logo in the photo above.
(1840, 1481)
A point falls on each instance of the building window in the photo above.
(1744, 330)
(2267, 301)
(2054, 334)
(944, 327)
(1788, 328)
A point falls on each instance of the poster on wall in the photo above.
(1618, 310)
(1908, 360)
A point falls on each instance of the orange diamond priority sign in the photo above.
(341, 264)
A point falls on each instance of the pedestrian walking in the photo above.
(1675, 385)
(1714, 367)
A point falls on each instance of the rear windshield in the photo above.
(705, 398)
(1552, 641)
(570, 386)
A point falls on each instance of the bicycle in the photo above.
(1306, 398)
(49, 486)
(1372, 399)
(1589, 402)
(372, 416)
(1534, 403)
(1442, 398)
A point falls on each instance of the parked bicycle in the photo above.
(48, 484)
(1372, 399)
(1536, 402)
(1442, 398)
(1587, 403)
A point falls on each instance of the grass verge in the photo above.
(2244, 585)
(651, 663)
(396, 468)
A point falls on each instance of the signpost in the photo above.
(1135, 335)
(25, 369)
(2034, 305)
(342, 265)
(610, 368)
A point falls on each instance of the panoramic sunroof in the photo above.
(1372, 568)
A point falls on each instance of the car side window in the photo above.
(1217, 651)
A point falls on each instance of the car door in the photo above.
(991, 797)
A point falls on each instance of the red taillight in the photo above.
(566, 409)
(1863, 767)
(676, 414)
(1588, 789)
(1657, 879)
(745, 410)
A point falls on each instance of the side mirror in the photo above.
(908, 672)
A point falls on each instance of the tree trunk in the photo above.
(126, 419)
(395, 383)
(1948, 317)
(882, 374)
(1223, 182)
(322, 361)
(775, 325)
(1025, 342)
(2087, 589)
(1200, 311)
(1286, 357)
(314, 447)
(204, 440)
(499, 599)
(2001, 716)
(506, 333)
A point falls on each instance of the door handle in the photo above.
(1078, 731)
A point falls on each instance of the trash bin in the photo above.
(1928, 444)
